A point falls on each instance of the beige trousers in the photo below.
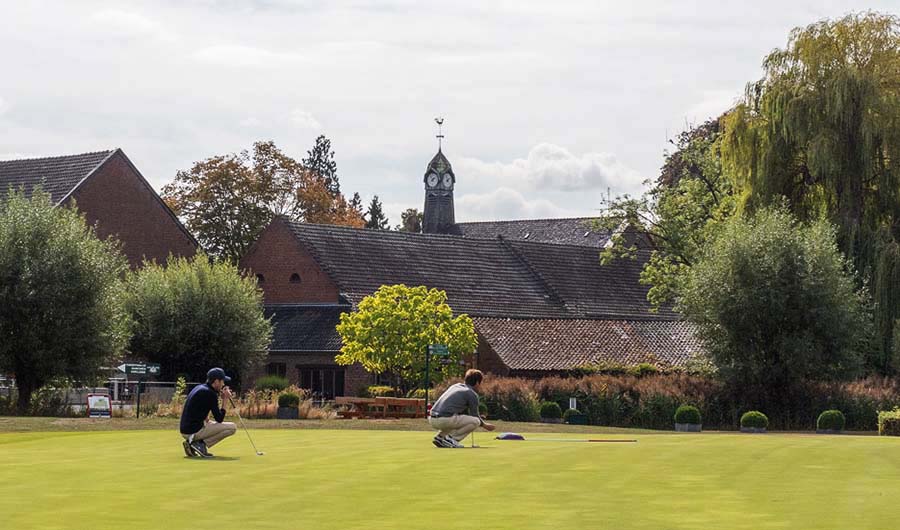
(457, 426)
(213, 433)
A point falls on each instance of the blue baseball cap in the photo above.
(216, 373)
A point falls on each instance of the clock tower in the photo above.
(439, 182)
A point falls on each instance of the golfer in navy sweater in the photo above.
(199, 433)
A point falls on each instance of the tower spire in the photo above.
(440, 136)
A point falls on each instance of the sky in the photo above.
(548, 106)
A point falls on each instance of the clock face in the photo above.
(433, 180)
(448, 181)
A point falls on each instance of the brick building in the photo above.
(541, 301)
(112, 194)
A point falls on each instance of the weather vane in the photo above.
(439, 121)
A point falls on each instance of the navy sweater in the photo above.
(201, 401)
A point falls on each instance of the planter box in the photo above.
(688, 427)
(577, 419)
(288, 413)
(551, 420)
(828, 431)
(755, 430)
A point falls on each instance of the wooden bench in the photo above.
(402, 407)
(380, 407)
(358, 407)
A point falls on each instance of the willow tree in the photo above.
(822, 128)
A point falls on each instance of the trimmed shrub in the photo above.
(482, 408)
(831, 420)
(551, 410)
(642, 370)
(382, 391)
(419, 393)
(688, 414)
(289, 400)
(889, 422)
(574, 417)
(274, 383)
(754, 419)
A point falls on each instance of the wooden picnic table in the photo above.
(380, 407)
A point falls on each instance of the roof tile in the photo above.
(57, 175)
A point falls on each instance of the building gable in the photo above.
(121, 203)
(276, 257)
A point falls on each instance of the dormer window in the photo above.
(295, 278)
(260, 278)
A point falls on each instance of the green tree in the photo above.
(320, 160)
(375, 217)
(677, 217)
(411, 221)
(61, 313)
(192, 314)
(392, 328)
(821, 129)
(775, 303)
(228, 200)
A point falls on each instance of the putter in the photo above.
(244, 426)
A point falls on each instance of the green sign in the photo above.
(139, 368)
(438, 350)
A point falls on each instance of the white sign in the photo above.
(99, 406)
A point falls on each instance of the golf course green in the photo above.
(349, 479)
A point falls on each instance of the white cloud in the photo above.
(304, 120)
(712, 104)
(551, 167)
(128, 24)
(250, 122)
(505, 203)
(3, 106)
(239, 56)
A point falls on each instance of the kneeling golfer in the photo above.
(455, 413)
(200, 434)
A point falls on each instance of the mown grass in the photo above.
(394, 479)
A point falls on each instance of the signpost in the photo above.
(438, 350)
(139, 369)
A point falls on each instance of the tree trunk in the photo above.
(25, 387)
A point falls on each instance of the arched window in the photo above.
(260, 278)
(295, 278)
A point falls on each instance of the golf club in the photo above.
(244, 426)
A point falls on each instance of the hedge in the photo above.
(650, 401)
(889, 422)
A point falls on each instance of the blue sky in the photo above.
(547, 104)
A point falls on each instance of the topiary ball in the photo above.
(831, 420)
(754, 419)
(289, 400)
(688, 414)
(551, 410)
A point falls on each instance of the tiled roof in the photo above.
(305, 327)
(481, 277)
(589, 289)
(555, 345)
(572, 231)
(57, 175)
